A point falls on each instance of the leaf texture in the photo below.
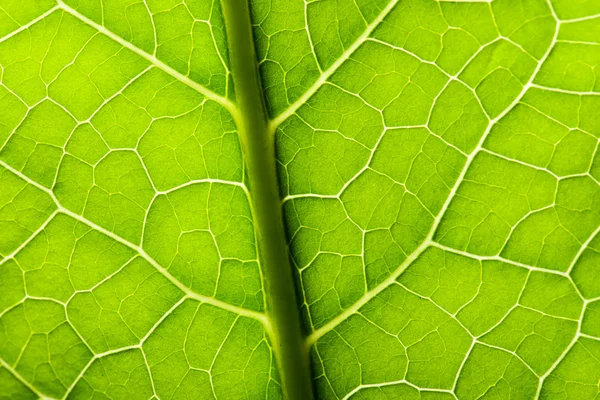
(439, 176)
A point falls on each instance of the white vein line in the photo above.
(3, 9)
(154, 36)
(152, 59)
(583, 247)
(498, 258)
(585, 42)
(30, 238)
(450, 77)
(205, 180)
(565, 91)
(477, 339)
(191, 294)
(292, 108)
(368, 296)
(586, 336)
(138, 346)
(512, 353)
(29, 24)
(22, 380)
(391, 383)
(566, 21)
(526, 164)
(557, 362)
(463, 363)
(312, 47)
(120, 92)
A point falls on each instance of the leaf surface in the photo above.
(438, 169)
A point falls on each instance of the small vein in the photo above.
(29, 24)
(274, 123)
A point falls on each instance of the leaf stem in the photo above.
(259, 151)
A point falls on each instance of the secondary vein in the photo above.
(225, 102)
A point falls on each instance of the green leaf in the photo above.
(290, 199)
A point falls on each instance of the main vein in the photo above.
(259, 151)
(283, 323)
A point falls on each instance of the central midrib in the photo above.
(258, 147)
